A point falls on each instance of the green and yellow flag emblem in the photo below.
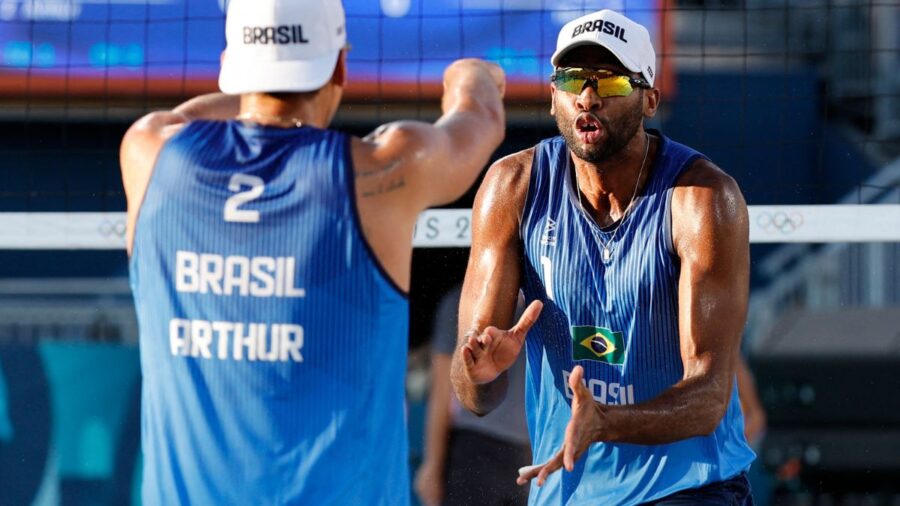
(599, 344)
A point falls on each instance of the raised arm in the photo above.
(405, 167)
(491, 287)
(433, 164)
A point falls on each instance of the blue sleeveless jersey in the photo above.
(619, 320)
(273, 346)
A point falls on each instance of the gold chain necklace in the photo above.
(607, 250)
(268, 118)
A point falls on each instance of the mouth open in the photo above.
(588, 128)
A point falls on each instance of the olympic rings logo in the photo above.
(779, 221)
(108, 228)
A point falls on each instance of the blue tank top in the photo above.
(273, 346)
(618, 319)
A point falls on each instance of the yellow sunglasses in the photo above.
(606, 83)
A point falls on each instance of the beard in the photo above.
(619, 132)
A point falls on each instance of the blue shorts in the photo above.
(731, 492)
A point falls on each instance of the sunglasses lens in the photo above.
(570, 83)
(604, 83)
(617, 86)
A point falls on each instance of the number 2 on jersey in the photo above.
(233, 204)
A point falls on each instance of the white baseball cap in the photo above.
(627, 40)
(281, 45)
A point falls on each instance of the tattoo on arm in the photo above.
(385, 187)
(380, 171)
(380, 180)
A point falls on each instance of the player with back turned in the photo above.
(270, 263)
(635, 251)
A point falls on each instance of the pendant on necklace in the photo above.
(607, 255)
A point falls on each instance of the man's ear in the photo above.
(339, 77)
(552, 99)
(651, 102)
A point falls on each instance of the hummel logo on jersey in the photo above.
(599, 344)
(549, 236)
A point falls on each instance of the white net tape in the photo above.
(443, 228)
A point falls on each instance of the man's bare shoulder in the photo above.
(501, 197)
(510, 175)
(516, 164)
(145, 138)
(704, 182)
(706, 200)
(705, 174)
(158, 124)
(391, 141)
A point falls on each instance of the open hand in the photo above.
(488, 354)
(584, 428)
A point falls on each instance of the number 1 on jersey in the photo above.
(232, 211)
(548, 276)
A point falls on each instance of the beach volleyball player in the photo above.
(638, 248)
(270, 260)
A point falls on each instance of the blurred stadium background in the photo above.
(799, 100)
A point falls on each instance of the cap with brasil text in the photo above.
(281, 45)
(626, 40)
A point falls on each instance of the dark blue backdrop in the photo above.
(393, 40)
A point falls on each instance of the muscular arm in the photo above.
(711, 237)
(426, 165)
(405, 167)
(492, 277)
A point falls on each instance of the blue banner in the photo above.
(408, 41)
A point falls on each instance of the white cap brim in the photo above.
(626, 62)
(240, 76)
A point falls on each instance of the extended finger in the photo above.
(474, 344)
(529, 316)
(576, 383)
(493, 332)
(526, 473)
(576, 376)
(468, 358)
(486, 338)
(472, 351)
(550, 467)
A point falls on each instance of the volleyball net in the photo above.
(452, 228)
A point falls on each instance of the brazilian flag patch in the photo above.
(598, 344)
